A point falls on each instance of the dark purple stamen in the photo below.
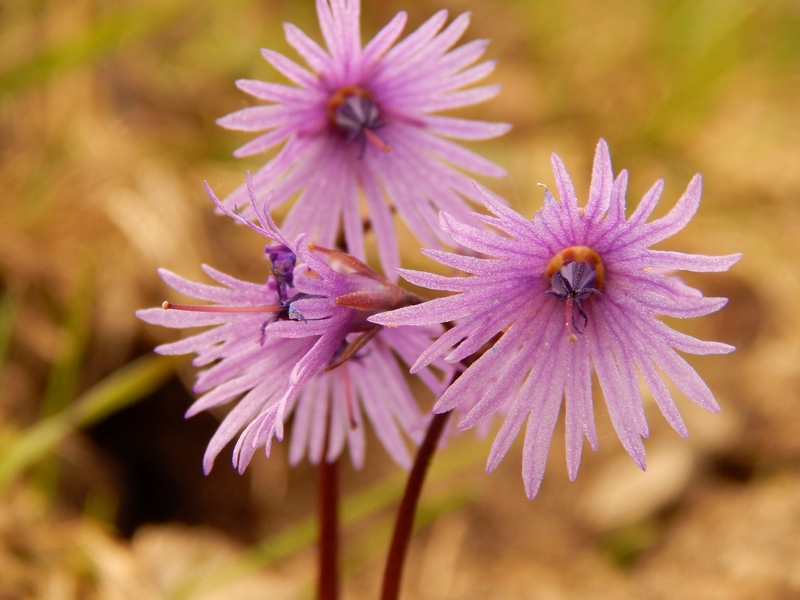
(573, 284)
(357, 117)
(282, 261)
(282, 268)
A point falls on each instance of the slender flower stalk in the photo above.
(404, 524)
(576, 290)
(359, 122)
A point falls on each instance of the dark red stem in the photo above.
(329, 530)
(408, 508)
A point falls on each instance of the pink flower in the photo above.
(300, 342)
(574, 290)
(359, 122)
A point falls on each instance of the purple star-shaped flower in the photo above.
(359, 122)
(574, 290)
(300, 341)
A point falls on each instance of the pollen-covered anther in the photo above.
(581, 254)
(353, 111)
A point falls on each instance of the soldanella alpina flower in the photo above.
(573, 291)
(302, 341)
(359, 121)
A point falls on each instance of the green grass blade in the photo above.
(9, 306)
(76, 329)
(122, 388)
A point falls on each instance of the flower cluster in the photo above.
(300, 341)
(359, 123)
(575, 290)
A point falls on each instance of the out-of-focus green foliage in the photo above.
(121, 389)
(9, 306)
(67, 365)
(100, 39)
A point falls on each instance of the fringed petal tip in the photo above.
(730, 259)
(728, 348)
(640, 462)
(143, 314)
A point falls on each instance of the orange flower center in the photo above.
(582, 254)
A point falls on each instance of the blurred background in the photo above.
(107, 132)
